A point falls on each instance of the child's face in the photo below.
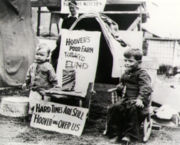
(72, 9)
(130, 63)
(41, 56)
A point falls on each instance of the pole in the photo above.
(38, 21)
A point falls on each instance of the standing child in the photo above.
(73, 15)
(40, 76)
(66, 24)
(125, 117)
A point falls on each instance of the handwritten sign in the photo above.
(78, 59)
(85, 6)
(60, 118)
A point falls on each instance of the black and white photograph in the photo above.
(89, 72)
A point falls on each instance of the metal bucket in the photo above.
(15, 106)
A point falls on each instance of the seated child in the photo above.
(125, 117)
(40, 76)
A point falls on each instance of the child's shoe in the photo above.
(126, 140)
(115, 140)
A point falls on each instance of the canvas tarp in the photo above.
(17, 41)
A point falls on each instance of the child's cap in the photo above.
(73, 3)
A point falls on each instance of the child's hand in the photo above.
(42, 92)
(119, 87)
(139, 103)
(24, 86)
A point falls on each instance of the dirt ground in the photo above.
(17, 131)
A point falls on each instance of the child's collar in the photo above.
(41, 62)
(76, 16)
(133, 70)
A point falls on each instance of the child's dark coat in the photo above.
(124, 116)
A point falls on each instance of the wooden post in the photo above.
(38, 21)
(140, 28)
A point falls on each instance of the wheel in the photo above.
(147, 128)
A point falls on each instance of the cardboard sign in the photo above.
(84, 6)
(77, 61)
(60, 118)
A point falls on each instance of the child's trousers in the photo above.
(125, 119)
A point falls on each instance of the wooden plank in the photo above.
(44, 3)
(124, 12)
(57, 3)
(125, 2)
(106, 12)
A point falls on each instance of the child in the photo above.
(66, 24)
(71, 18)
(40, 76)
(125, 117)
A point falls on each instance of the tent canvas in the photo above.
(17, 41)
